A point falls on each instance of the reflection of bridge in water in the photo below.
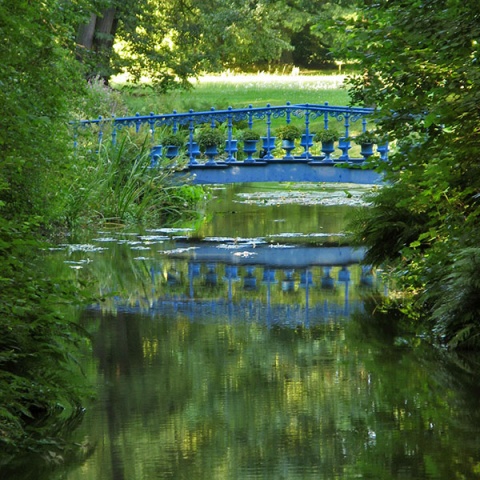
(206, 283)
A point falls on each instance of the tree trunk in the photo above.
(95, 44)
(105, 29)
(86, 33)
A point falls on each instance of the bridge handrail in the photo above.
(168, 118)
(175, 120)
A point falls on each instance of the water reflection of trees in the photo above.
(202, 396)
(197, 400)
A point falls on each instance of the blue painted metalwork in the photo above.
(226, 164)
(280, 171)
(307, 270)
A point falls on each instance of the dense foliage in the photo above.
(420, 61)
(39, 81)
(45, 187)
(40, 381)
(171, 41)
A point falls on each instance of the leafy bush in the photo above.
(250, 135)
(288, 132)
(326, 136)
(39, 376)
(365, 137)
(456, 307)
(388, 225)
(174, 139)
(208, 137)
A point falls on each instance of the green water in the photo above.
(224, 355)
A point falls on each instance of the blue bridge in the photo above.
(255, 144)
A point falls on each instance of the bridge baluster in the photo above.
(269, 275)
(231, 144)
(231, 272)
(250, 117)
(325, 117)
(346, 124)
(114, 132)
(327, 281)
(75, 136)
(344, 146)
(249, 280)
(175, 122)
(211, 275)
(138, 122)
(288, 283)
(192, 146)
(155, 155)
(306, 278)
(344, 142)
(212, 122)
(364, 125)
(100, 132)
(307, 139)
(268, 140)
(344, 275)
(383, 151)
(151, 122)
(289, 114)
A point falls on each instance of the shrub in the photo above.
(456, 307)
(326, 136)
(288, 132)
(208, 137)
(39, 344)
(250, 135)
(174, 139)
(365, 137)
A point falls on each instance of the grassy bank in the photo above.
(237, 90)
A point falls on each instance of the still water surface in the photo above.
(234, 351)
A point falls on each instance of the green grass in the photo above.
(238, 91)
(241, 90)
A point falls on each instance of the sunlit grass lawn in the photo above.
(240, 90)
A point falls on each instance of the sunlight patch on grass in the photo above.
(239, 91)
(265, 80)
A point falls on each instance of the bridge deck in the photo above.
(280, 171)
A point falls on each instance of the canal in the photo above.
(239, 348)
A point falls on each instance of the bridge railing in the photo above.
(236, 127)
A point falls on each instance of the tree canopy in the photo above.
(420, 70)
(39, 79)
(173, 40)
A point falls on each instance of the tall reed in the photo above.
(117, 185)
